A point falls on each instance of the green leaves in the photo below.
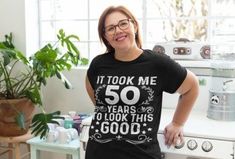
(34, 95)
(49, 61)
(83, 61)
(46, 55)
(40, 121)
(8, 41)
(72, 53)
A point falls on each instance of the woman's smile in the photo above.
(120, 37)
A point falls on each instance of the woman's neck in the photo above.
(128, 55)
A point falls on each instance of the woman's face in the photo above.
(120, 31)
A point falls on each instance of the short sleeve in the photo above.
(91, 73)
(174, 75)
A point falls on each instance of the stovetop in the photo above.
(198, 125)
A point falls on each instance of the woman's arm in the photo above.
(188, 94)
(90, 90)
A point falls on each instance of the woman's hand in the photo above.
(173, 133)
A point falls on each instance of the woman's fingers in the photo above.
(173, 139)
(169, 137)
(173, 135)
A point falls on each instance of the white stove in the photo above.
(203, 138)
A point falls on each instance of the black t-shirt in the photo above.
(128, 99)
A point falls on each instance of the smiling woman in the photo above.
(128, 76)
(130, 35)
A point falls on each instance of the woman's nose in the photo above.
(117, 29)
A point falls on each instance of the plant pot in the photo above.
(8, 113)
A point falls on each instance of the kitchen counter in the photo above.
(201, 126)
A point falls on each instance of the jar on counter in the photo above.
(222, 91)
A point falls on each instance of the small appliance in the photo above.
(222, 91)
(184, 49)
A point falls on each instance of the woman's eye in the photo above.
(123, 24)
(110, 29)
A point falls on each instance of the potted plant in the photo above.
(23, 85)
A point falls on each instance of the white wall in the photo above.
(57, 97)
(13, 20)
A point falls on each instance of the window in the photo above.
(223, 29)
(160, 20)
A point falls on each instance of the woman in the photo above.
(126, 86)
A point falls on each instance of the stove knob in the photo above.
(192, 144)
(205, 52)
(207, 146)
(159, 49)
(179, 144)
